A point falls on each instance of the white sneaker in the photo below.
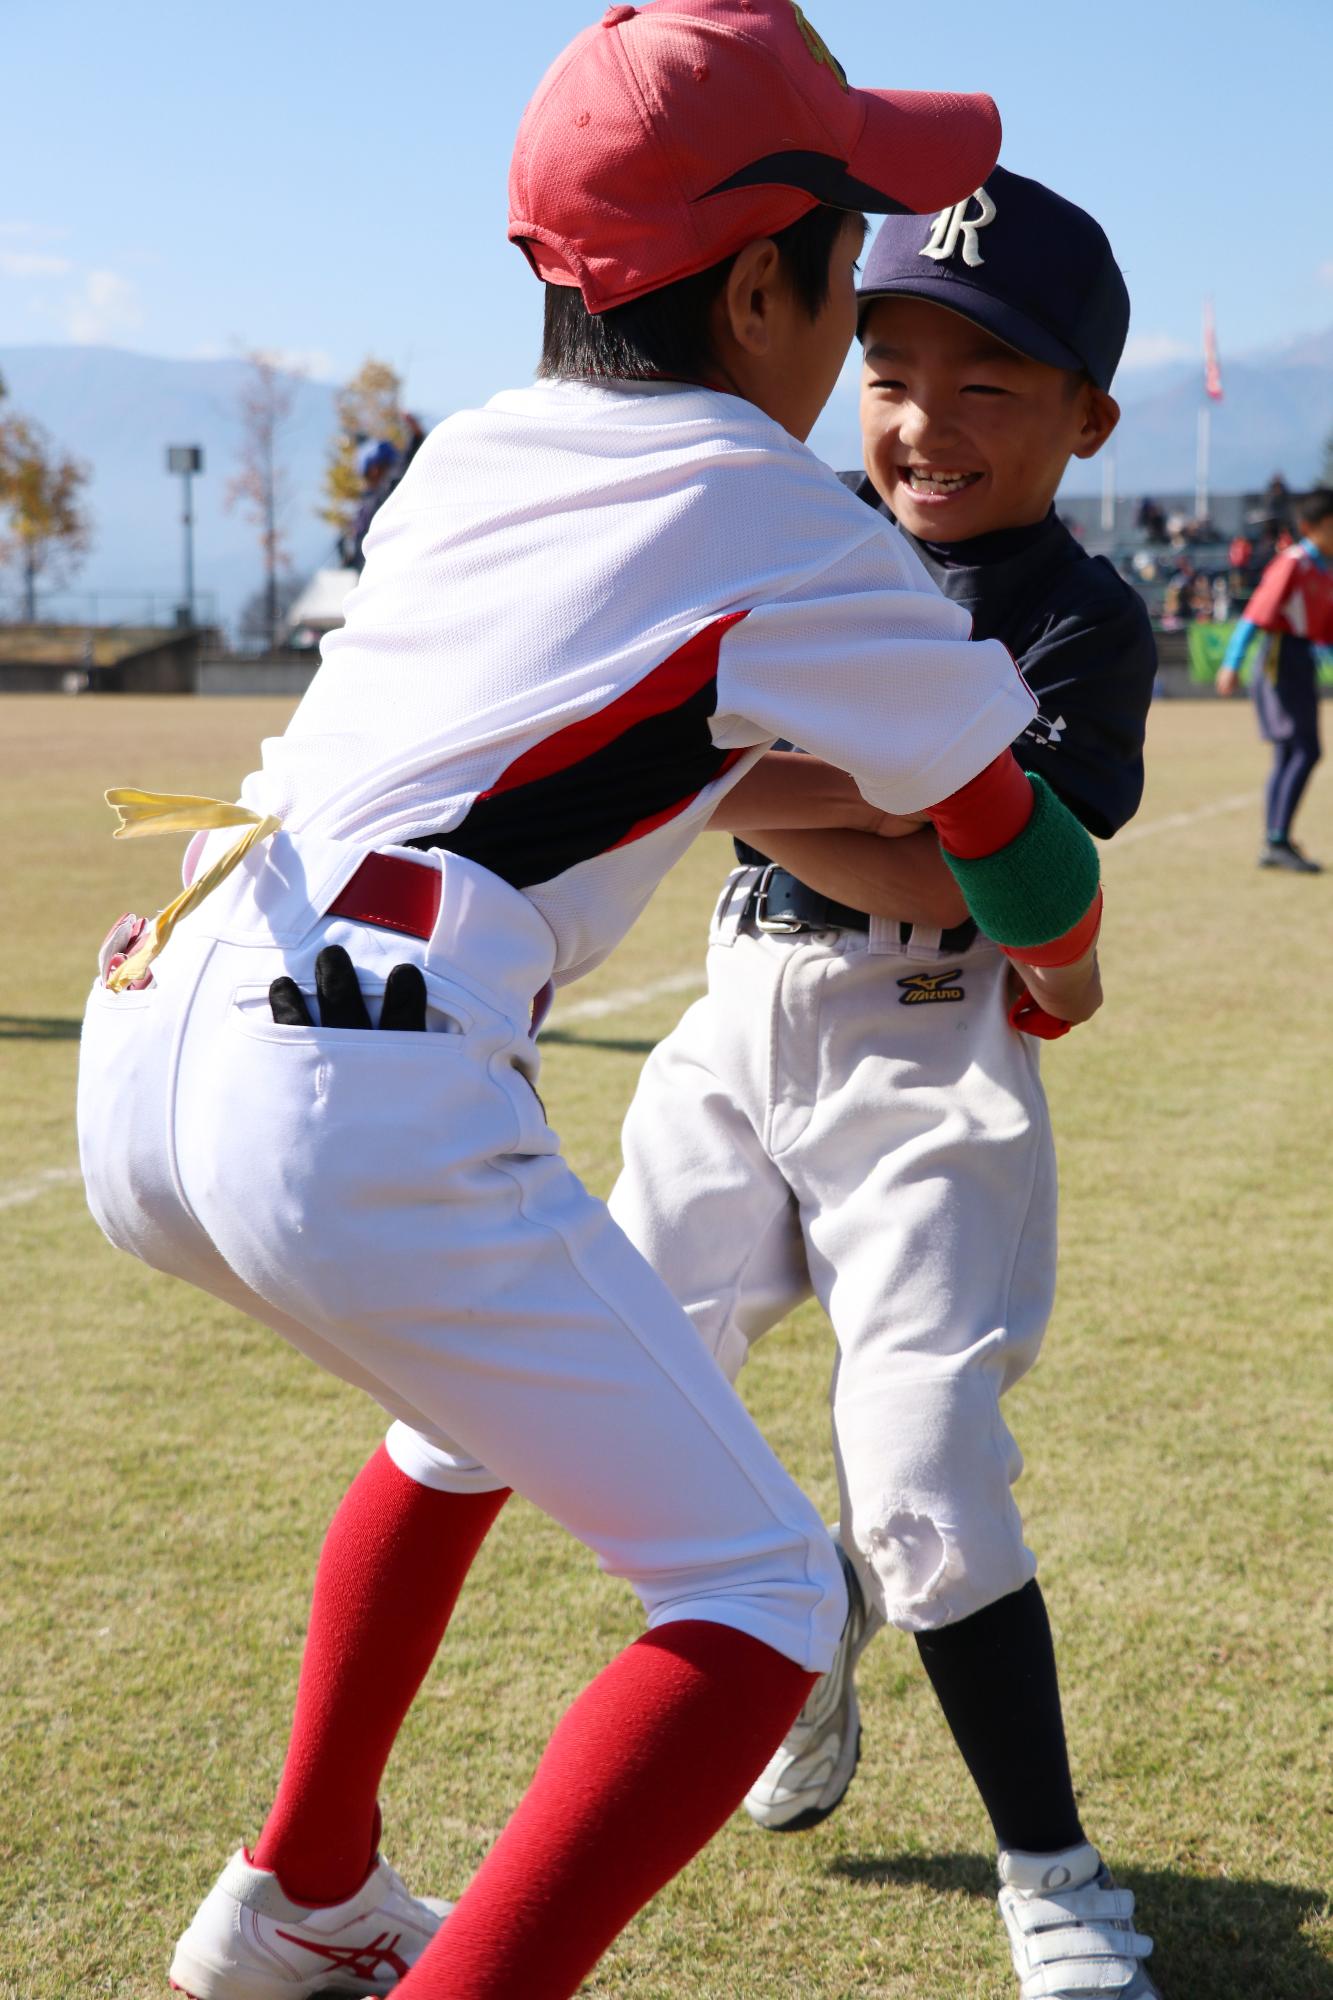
(248, 1941)
(1070, 1929)
(808, 1774)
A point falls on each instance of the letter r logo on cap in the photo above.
(951, 223)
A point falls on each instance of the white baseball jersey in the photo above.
(585, 611)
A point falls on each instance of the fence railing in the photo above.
(100, 608)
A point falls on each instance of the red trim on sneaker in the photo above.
(364, 1960)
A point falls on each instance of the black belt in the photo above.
(779, 903)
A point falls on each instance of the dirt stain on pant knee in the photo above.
(910, 1558)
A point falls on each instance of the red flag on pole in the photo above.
(1212, 367)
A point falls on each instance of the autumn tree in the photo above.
(257, 613)
(4, 443)
(44, 527)
(367, 407)
(262, 486)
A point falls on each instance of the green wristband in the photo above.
(1037, 887)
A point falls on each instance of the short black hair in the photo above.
(669, 332)
(1315, 507)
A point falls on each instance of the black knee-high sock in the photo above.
(994, 1674)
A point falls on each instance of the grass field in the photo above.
(168, 1471)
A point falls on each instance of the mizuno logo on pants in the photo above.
(924, 986)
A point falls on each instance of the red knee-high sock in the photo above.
(643, 1768)
(389, 1574)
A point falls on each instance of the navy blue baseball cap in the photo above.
(1019, 260)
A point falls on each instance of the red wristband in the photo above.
(1062, 950)
(1031, 1019)
(988, 812)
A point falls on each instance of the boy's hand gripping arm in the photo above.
(1030, 875)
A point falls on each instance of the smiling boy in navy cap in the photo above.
(851, 1108)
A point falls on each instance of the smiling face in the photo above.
(961, 434)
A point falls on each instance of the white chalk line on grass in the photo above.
(626, 999)
(632, 996)
(1173, 821)
(52, 1177)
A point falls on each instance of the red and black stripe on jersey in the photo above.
(604, 780)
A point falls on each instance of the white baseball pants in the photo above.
(837, 1115)
(395, 1204)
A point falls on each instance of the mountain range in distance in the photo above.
(119, 411)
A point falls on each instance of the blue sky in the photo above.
(328, 180)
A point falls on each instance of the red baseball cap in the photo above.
(670, 135)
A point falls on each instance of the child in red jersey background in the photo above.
(1293, 609)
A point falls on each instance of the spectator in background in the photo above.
(1275, 505)
(1200, 596)
(377, 463)
(1267, 544)
(416, 437)
(1243, 574)
(1151, 522)
(1292, 610)
(1177, 601)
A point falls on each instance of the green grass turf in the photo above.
(168, 1471)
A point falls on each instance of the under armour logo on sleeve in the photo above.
(1046, 732)
(952, 223)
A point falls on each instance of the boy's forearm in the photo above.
(1238, 647)
(788, 789)
(1070, 993)
(1027, 867)
(905, 878)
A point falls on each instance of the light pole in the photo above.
(187, 459)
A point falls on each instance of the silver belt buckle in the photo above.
(773, 926)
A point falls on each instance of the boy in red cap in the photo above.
(1293, 610)
(586, 612)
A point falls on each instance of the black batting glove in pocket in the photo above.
(341, 1004)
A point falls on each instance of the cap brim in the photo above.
(918, 151)
(955, 295)
(922, 150)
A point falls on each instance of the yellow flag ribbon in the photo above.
(142, 814)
